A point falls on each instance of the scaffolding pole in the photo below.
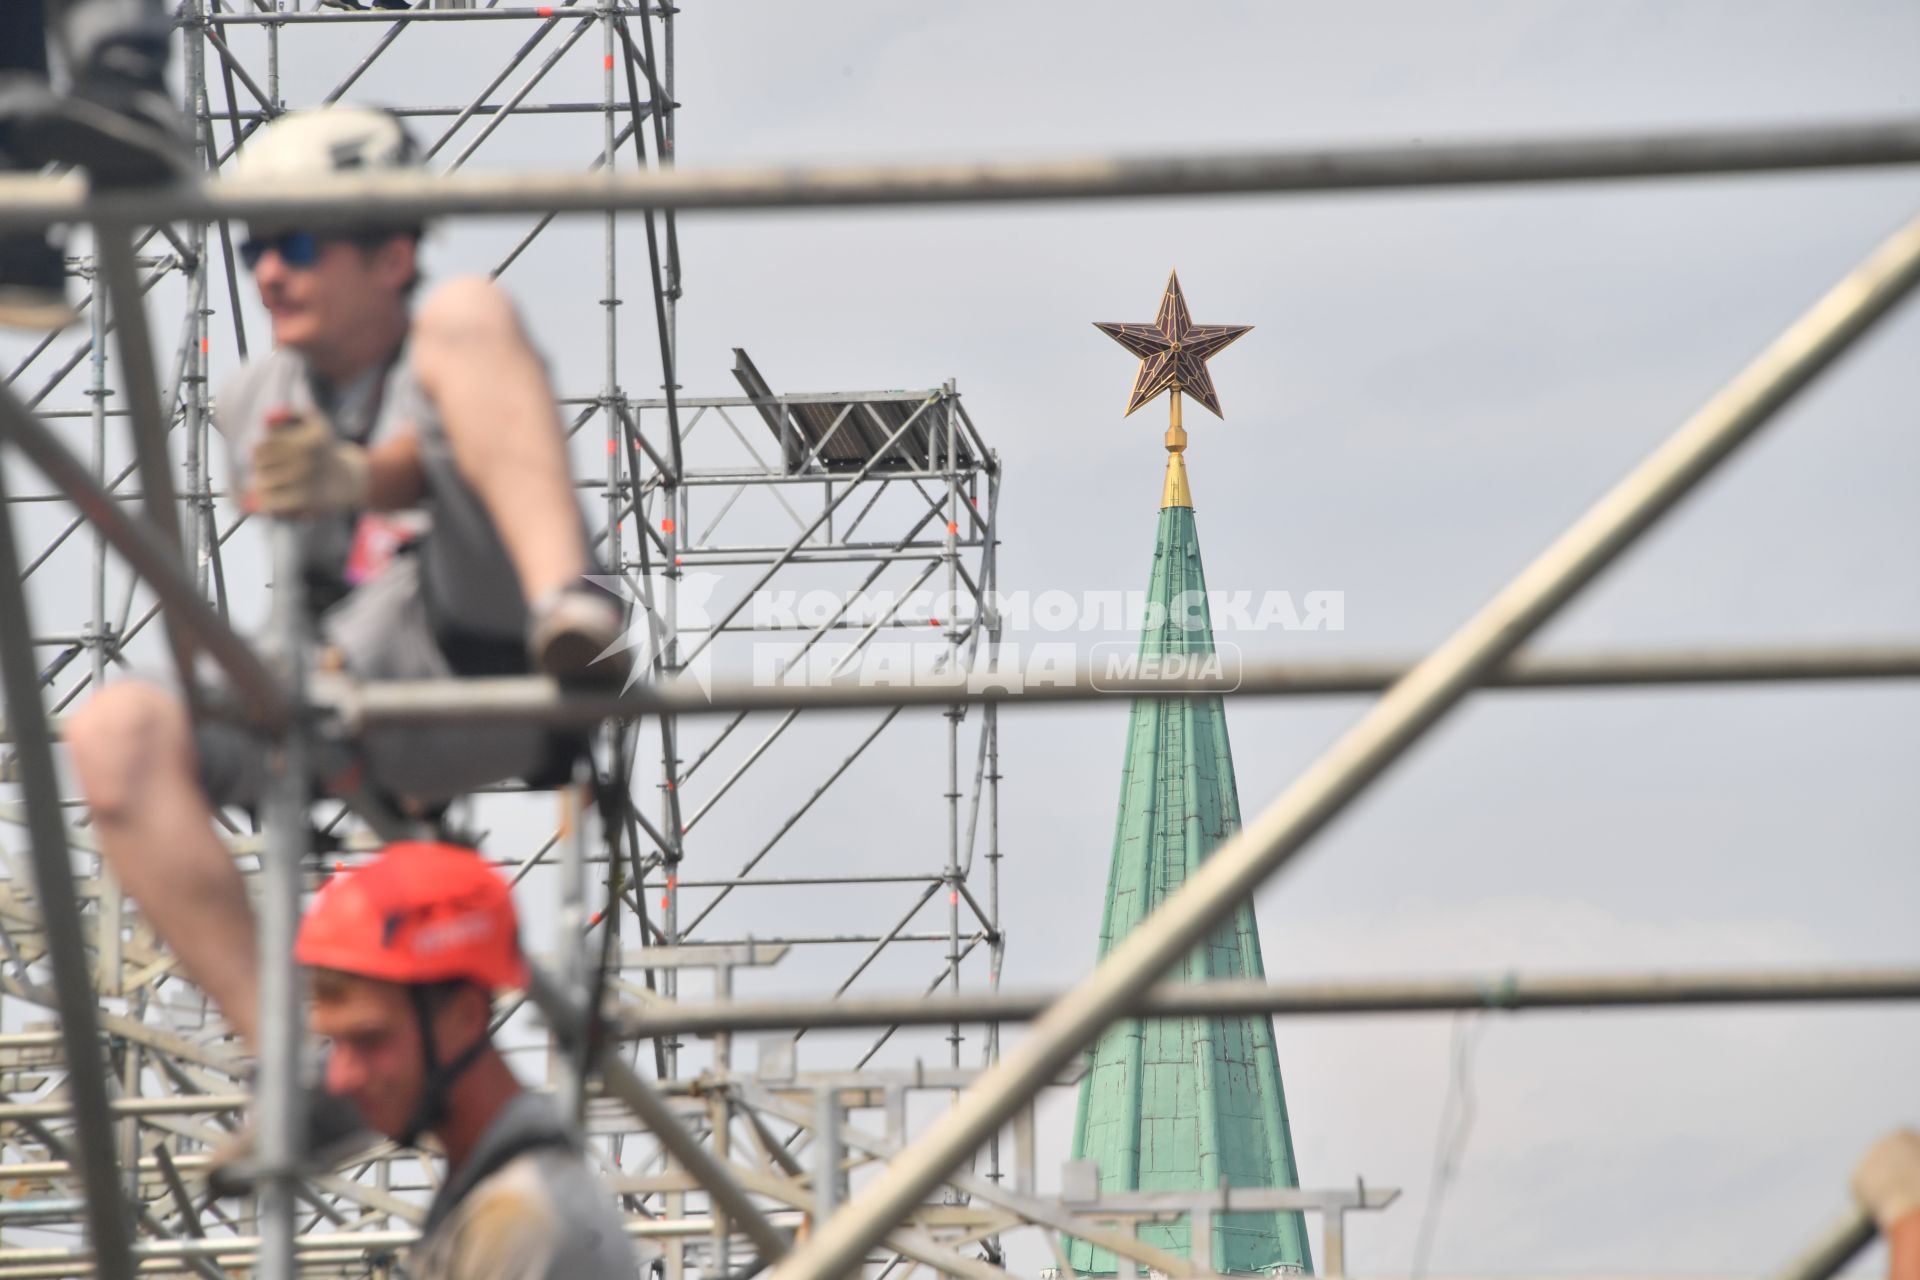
(1502, 993)
(523, 699)
(280, 1114)
(1838, 1245)
(36, 202)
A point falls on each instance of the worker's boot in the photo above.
(118, 122)
(579, 636)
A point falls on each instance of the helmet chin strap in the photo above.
(431, 1110)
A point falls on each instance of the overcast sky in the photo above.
(1436, 385)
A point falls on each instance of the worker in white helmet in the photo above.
(423, 456)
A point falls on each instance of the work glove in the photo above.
(576, 636)
(1887, 1179)
(302, 468)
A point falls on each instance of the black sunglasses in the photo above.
(298, 249)
(301, 249)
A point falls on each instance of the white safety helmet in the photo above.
(335, 138)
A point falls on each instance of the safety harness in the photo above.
(439, 1078)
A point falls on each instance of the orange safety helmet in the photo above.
(420, 913)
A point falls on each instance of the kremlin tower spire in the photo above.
(1183, 1103)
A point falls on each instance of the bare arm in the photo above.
(396, 480)
(474, 361)
(1903, 1243)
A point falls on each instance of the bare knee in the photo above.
(122, 740)
(468, 309)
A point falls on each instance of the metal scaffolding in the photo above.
(858, 494)
(111, 1112)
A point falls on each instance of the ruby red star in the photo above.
(1173, 350)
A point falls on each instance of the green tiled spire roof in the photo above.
(1179, 1104)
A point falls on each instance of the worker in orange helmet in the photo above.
(406, 954)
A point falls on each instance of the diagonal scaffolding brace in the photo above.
(106, 1210)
